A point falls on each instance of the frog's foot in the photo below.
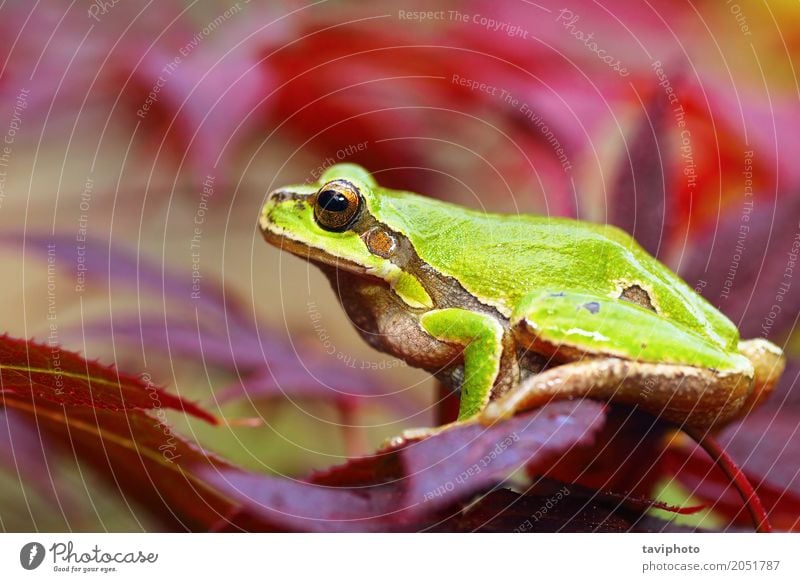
(768, 362)
(418, 434)
(682, 394)
(488, 364)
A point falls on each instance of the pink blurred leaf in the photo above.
(641, 200)
(225, 337)
(741, 267)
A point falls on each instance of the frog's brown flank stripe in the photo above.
(639, 296)
(444, 291)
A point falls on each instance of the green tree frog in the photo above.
(513, 311)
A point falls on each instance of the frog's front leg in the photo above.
(652, 363)
(490, 365)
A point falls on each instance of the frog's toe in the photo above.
(768, 363)
(497, 410)
(417, 434)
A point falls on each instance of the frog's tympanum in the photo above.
(516, 310)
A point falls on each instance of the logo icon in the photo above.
(31, 555)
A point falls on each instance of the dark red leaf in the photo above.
(627, 455)
(114, 422)
(139, 457)
(400, 488)
(562, 510)
(36, 373)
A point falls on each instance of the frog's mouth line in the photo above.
(442, 290)
(314, 255)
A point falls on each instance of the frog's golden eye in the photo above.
(336, 205)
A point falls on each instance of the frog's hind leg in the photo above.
(681, 394)
(768, 362)
(613, 350)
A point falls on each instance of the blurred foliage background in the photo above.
(141, 139)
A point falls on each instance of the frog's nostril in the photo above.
(278, 196)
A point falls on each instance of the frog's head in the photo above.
(333, 223)
(318, 221)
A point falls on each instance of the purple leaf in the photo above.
(209, 100)
(22, 453)
(187, 338)
(398, 489)
(741, 268)
(767, 446)
(110, 265)
(564, 508)
(640, 194)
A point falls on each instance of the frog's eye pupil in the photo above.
(336, 206)
(332, 201)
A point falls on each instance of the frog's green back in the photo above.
(502, 258)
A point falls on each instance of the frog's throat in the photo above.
(407, 287)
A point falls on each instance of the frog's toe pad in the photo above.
(768, 363)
